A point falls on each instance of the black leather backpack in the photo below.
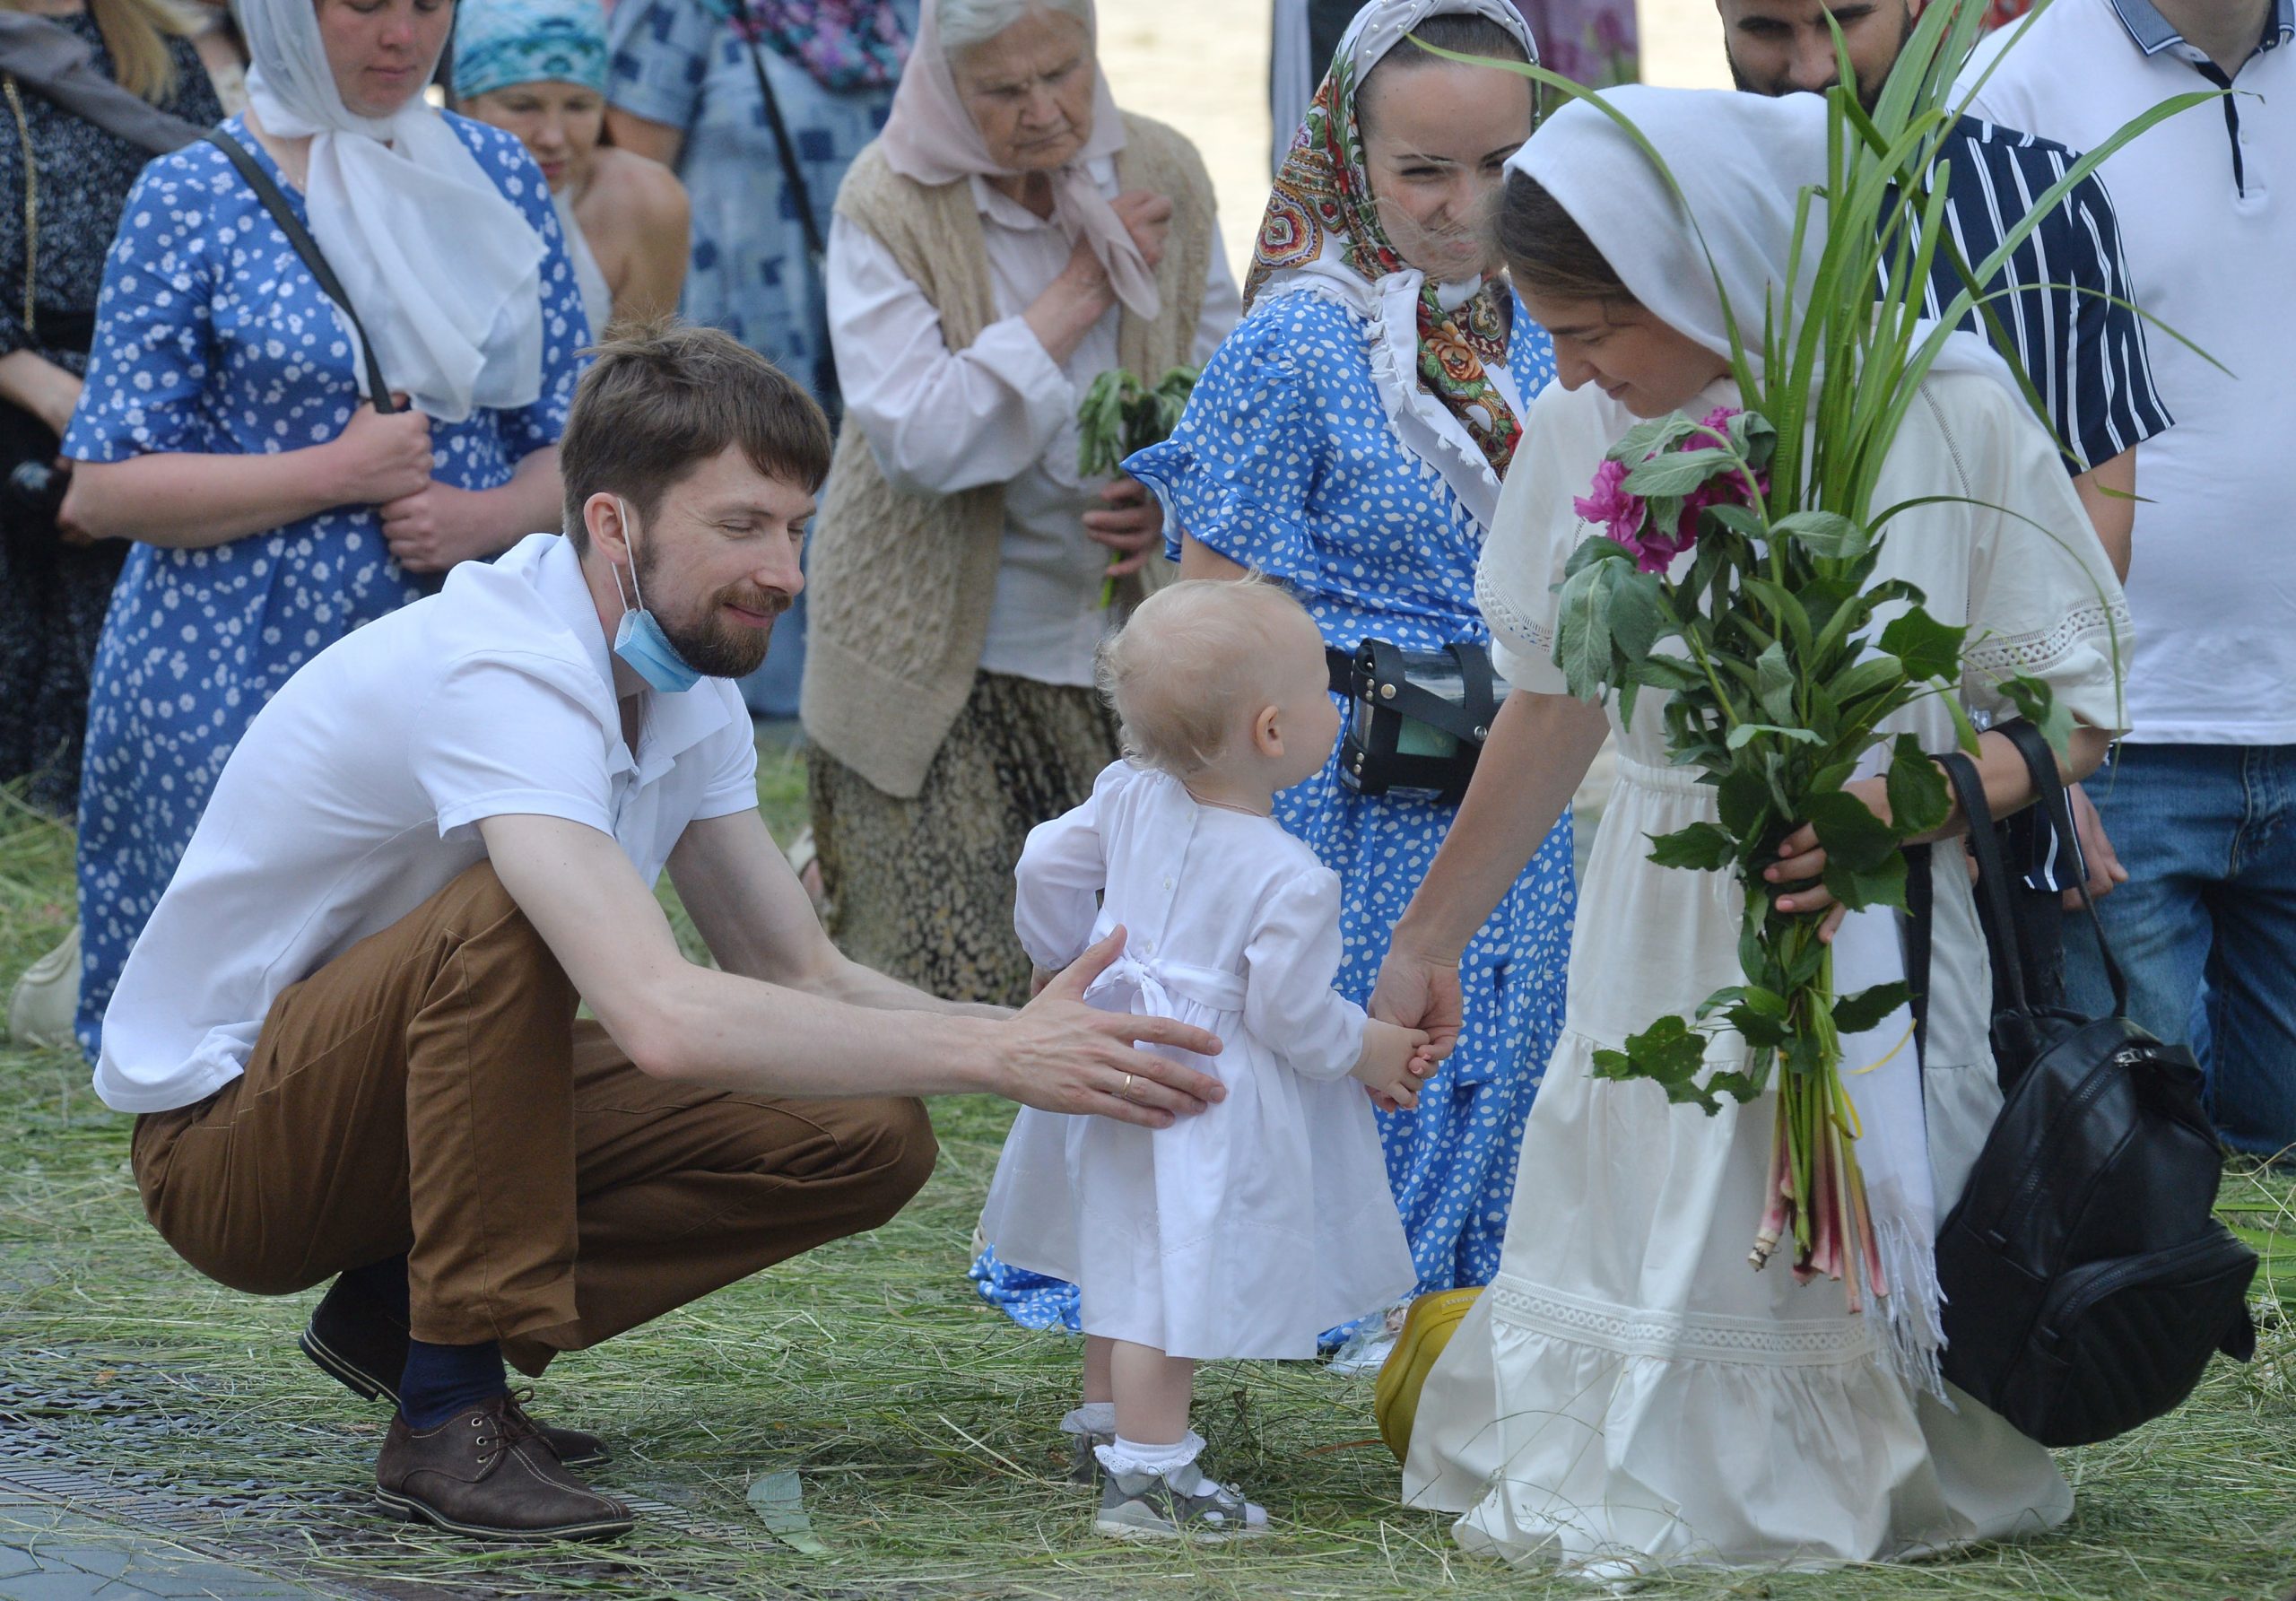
(2086, 1279)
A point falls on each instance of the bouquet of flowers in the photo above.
(1733, 567)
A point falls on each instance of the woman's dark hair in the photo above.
(662, 399)
(1547, 252)
(1462, 31)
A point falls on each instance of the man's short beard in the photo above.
(710, 647)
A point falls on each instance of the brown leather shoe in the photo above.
(362, 1345)
(485, 1472)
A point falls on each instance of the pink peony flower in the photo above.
(1610, 504)
(1625, 517)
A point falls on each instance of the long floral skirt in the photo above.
(923, 888)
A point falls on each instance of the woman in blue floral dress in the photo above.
(1349, 438)
(223, 429)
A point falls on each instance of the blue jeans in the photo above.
(2204, 928)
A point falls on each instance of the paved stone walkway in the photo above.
(49, 1553)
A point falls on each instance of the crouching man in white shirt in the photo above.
(349, 1026)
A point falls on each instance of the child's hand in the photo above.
(1393, 1060)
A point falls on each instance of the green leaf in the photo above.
(1745, 734)
(1670, 1054)
(1638, 615)
(1788, 609)
(1656, 434)
(1742, 799)
(1774, 684)
(1919, 800)
(778, 1500)
(1678, 471)
(1856, 1014)
(1964, 731)
(1927, 648)
(1582, 635)
(1857, 889)
(1804, 969)
(1855, 839)
(2037, 703)
(1739, 519)
(1832, 777)
(1868, 676)
(1738, 1086)
(1702, 847)
(1826, 534)
(1671, 672)
(1594, 548)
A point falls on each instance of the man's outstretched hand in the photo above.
(1063, 1055)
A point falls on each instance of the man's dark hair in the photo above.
(663, 397)
(1547, 252)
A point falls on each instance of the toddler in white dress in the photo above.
(1248, 1228)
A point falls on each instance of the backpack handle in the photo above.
(2048, 788)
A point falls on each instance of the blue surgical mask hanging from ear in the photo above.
(640, 640)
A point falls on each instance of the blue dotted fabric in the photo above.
(681, 63)
(1286, 462)
(212, 338)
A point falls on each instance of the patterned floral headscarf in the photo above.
(844, 44)
(1321, 211)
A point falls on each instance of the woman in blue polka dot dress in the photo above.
(1349, 438)
(222, 427)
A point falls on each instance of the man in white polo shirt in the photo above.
(2201, 798)
(349, 1026)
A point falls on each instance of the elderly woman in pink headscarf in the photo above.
(1009, 236)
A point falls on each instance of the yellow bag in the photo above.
(1427, 1328)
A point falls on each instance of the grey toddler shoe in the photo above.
(1085, 1468)
(1148, 1506)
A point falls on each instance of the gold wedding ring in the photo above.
(1125, 1093)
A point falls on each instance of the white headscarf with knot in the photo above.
(1742, 162)
(444, 271)
(930, 137)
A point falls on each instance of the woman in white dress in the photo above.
(1629, 1392)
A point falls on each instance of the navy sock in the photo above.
(385, 1284)
(442, 1380)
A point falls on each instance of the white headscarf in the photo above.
(1742, 162)
(930, 137)
(443, 270)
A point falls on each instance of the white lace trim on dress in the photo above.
(1674, 1336)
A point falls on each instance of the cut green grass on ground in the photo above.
(922, 1426)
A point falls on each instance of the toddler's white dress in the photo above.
(1246, 1229)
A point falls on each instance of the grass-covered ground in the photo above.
(922, 1426)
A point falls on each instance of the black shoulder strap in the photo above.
(307, 248)
(2048, 787)
(792, 172)
(1992, 882)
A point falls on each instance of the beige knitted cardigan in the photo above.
(900, 584)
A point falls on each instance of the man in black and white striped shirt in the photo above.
(2065, 318)
(2062, 318)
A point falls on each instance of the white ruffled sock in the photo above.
(1176, 1462)
(1093, 1417)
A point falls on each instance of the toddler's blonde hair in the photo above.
(1179, 674)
